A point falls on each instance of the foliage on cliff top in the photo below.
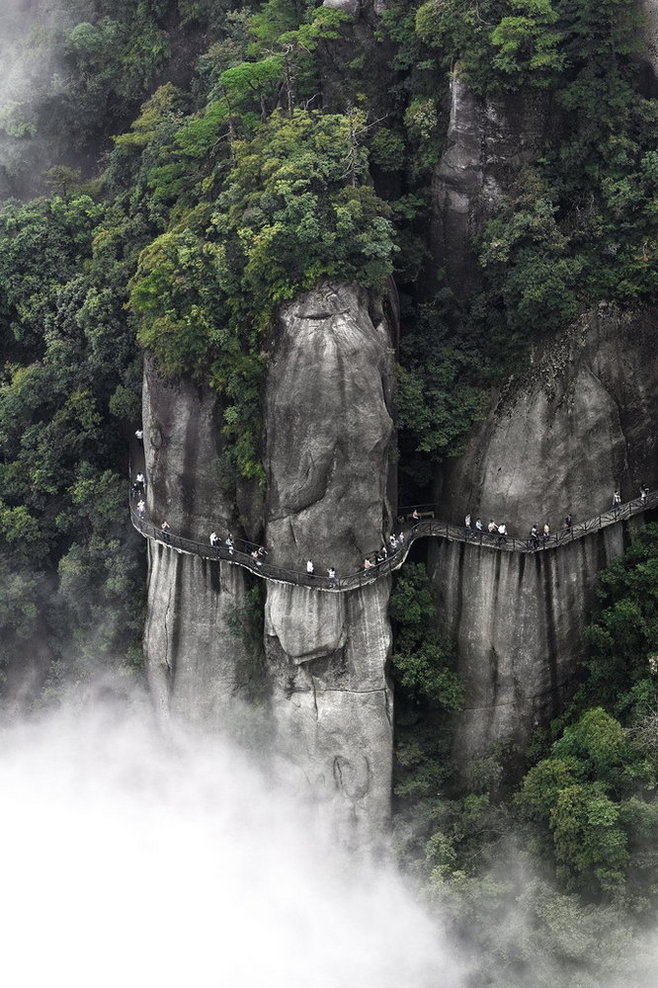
(294, 209)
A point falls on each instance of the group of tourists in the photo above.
(498, 532)
(257, 552)
(536, 536)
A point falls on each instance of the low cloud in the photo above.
(134, 861)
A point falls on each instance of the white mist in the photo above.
(132, 862)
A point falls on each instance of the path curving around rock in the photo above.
(425, 528)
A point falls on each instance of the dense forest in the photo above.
(172, 171)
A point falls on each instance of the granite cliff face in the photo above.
(518, 621)
(579, 424)
(329, 436)
(323, 686)
(198, 655)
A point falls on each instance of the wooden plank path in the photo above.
(424, 528)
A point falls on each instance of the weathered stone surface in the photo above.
(329, 437)
(199, 655)
(329, 431)
(196, 642)
(488, 142)
(579, 425)
(331, 701)
(518, 624)
(182, 448)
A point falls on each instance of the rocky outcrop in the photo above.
(329, 430)
(517, 621)
(489, 141)
(578, 425)
(199, 648)
(322, 686)
(329, 436)
(331, 701)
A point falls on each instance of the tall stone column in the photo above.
(329, 441)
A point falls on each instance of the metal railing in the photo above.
(240, 553)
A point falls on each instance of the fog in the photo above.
(131, 860)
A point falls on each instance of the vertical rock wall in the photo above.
(579, 424)
(518, 622)
(329, 435)
(199, 651)
(323, 685)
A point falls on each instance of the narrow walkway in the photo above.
(422, 529)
